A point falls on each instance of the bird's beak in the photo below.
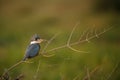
(41, 40)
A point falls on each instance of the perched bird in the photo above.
(34, 47)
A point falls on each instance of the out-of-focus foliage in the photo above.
(20, 19)
(107, 5)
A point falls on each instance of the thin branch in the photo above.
(88, 74)
(19, 77)
(60, 47)
(12, 67)
(87, 77)
(49, 41)
(38, 68)
(114, 69)
(76, 77)
(78, 42)
(91, 37)
(43, 51)
(96, 33)
(83, 34)
(6, 76)
(87, 34)
(69, 39)
(77, 50)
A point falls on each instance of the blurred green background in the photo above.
(20, 19)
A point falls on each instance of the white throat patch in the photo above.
(34, 42)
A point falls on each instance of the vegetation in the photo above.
(96, 57)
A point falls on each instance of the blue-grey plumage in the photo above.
(34, 47)
(32, 51)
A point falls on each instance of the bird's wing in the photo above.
(32, 50)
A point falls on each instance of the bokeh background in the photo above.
(20, 19)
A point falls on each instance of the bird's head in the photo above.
(36, 39)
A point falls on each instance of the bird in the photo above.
(33, 48)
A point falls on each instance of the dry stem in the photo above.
(79, 41)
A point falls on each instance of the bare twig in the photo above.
(96, 33)
(78, 42)
(69, 39)
(70, 36)
(89, 74)
(60, 47)
(77, 50)
(38, 68)
(114, 69)
(87, 35)
(76, 77)
(83, 34)
(91, 37)
(6, 76)
(43, 51)
(12, 67)
(19, 77)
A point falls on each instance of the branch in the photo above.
(12, 67)
(69, 39)
(68, 45)
(43, 51)
(38, 68)
(91, 37)
(76, 77)
(52, 38)
(19, 77)
(114, 69)
(90, 74)
(79, 41)
(70, 36)
(83, 34)
(96, 33)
